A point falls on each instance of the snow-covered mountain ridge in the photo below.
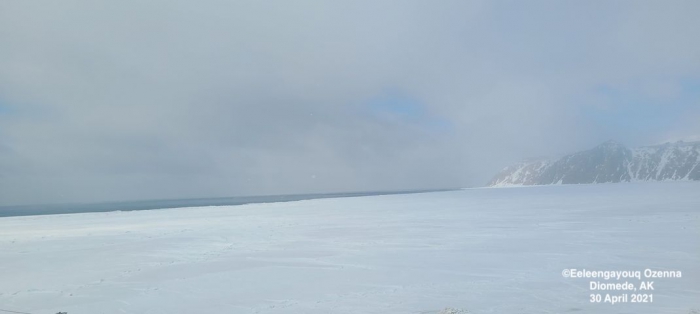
(609, 162)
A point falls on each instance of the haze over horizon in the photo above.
(174, 99)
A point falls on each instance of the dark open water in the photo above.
(28, 210)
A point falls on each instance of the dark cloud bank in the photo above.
(174, 99)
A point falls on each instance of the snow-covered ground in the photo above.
(480, 250)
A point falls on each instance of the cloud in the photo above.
(161, 99)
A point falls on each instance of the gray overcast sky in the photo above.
(121, 100)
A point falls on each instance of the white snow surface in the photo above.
(474, 250)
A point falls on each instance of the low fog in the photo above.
(127, 100)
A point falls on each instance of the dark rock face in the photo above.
(609, 162)
(676, 161)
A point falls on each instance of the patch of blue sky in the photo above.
(691, 87)
(5, 108)
(634, 111)
(405, 108)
